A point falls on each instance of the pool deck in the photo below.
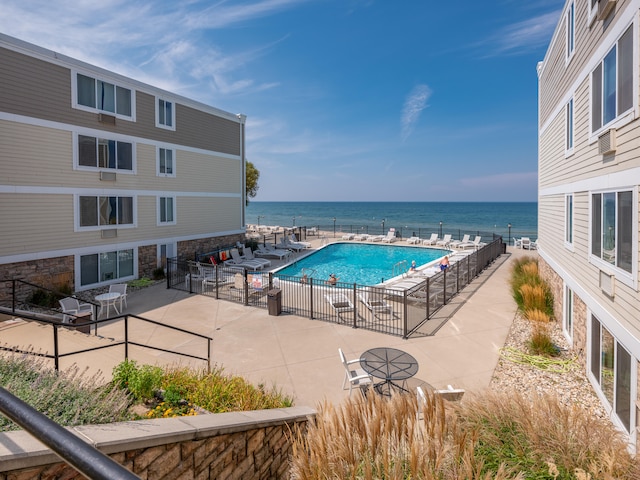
(299, 356)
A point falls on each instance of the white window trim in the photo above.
(593, 12)
(565, 298)
(568, 151)
(100, 134)
(175, 211)
(74, 95)
(158, 172)
(568, 244)
(110, 248)
(571, 9)
(114, 193)
(628, 279)
(171, 127)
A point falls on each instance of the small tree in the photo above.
(251, 178)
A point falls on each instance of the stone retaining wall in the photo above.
(247, 445)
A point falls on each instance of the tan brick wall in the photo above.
(252, 451)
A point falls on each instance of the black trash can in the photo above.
(274, 301)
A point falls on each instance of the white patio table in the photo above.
(107, 300)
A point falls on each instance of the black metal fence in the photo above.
(403, 308)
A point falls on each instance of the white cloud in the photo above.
(524, 36)
(413, 106)
(501, 180)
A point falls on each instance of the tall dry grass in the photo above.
(489, 437)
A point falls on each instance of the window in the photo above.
(569, 127)
(103, 96)
(612, 228)
(166, 117)
(103, 153)
(612, 83)
(166, 210)
(103, 267)
(611, 369)
(165, 250)
(165, 162)
(568, 221)
(102, 211)
(571, 30)
(567, 320)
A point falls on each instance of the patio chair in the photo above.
(72, 309)
(525, 242)
(431, 240)
(237, 261)
(390, 237)
(451, 394)
(120, 288)
(475, 244)
(375, 303)
(268, 250)
(456, 243)
(294, 239)
(248, 255)
(356, 376)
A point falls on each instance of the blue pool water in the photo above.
(364, 264)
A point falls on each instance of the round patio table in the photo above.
(391, 366)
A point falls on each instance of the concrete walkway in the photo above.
(299, 356)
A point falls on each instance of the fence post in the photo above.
(311, 297)
(355, 306)
(56, 349)
(13, 293)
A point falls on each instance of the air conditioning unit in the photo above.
(111, 233)
(108, 119)
(108, 176)
(607, 142)
(607, 283)
(605, 7)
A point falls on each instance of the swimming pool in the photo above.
(364, 264)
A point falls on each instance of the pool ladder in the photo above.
(399, 268)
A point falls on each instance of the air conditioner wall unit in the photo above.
(111, 233)
(605, 7)
(607, 283)
(108, 176)
(607, 142)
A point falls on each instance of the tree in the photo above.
(252, 176)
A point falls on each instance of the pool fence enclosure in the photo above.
(406, 307)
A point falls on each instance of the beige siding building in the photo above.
(104, 177)
(589, 172)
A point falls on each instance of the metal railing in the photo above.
(49, 316)
(399, 309)
(86, 459)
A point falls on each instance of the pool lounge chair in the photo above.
(293, 239)
(268, 250)
(456, 243)
(237, 261)
(288, 244)
(445, 241)
(390, 237)
(348, 236)
(339, 302)
(413, 240)
(431, 240)
(475, 244)
(248, 255)
(375, 302)
(375, 238)
(361, 237)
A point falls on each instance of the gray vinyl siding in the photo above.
(39, 89)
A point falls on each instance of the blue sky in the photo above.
(363, 100)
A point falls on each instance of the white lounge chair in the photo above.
(293, 239)
(268, 250)
(348, 236)
(361, 237)
(445, 241)
(413, 240)
(72, 309)
(431, 240)
(287, 244)
(456, 243)
(375, 302)
(375, 238)
(237, 261)
(356, 376)
(390, 237)
(248, 255)
(339, 302)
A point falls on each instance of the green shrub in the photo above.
(158, 273)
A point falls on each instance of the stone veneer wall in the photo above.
(247, 445)
(188, 249)
(48, 272)
(147, 260)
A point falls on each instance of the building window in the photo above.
(569, 127)
(166, 115)
(165, 163)
(101, 211)
(612, 228)
(612, 83)
(103, 96)
(104, 267)
(568, 221)
(571, 30)
(103, 153)
(166, 210)
(165, 250)
(611, 370)
(567, 320)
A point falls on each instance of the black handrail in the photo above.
(86, 459)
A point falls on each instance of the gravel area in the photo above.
(567, 378)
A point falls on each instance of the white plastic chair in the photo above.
(120, 288)
(450, 393)
(72, 309)
(356, 377)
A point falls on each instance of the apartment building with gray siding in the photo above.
(103, 176)
(588, 174)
